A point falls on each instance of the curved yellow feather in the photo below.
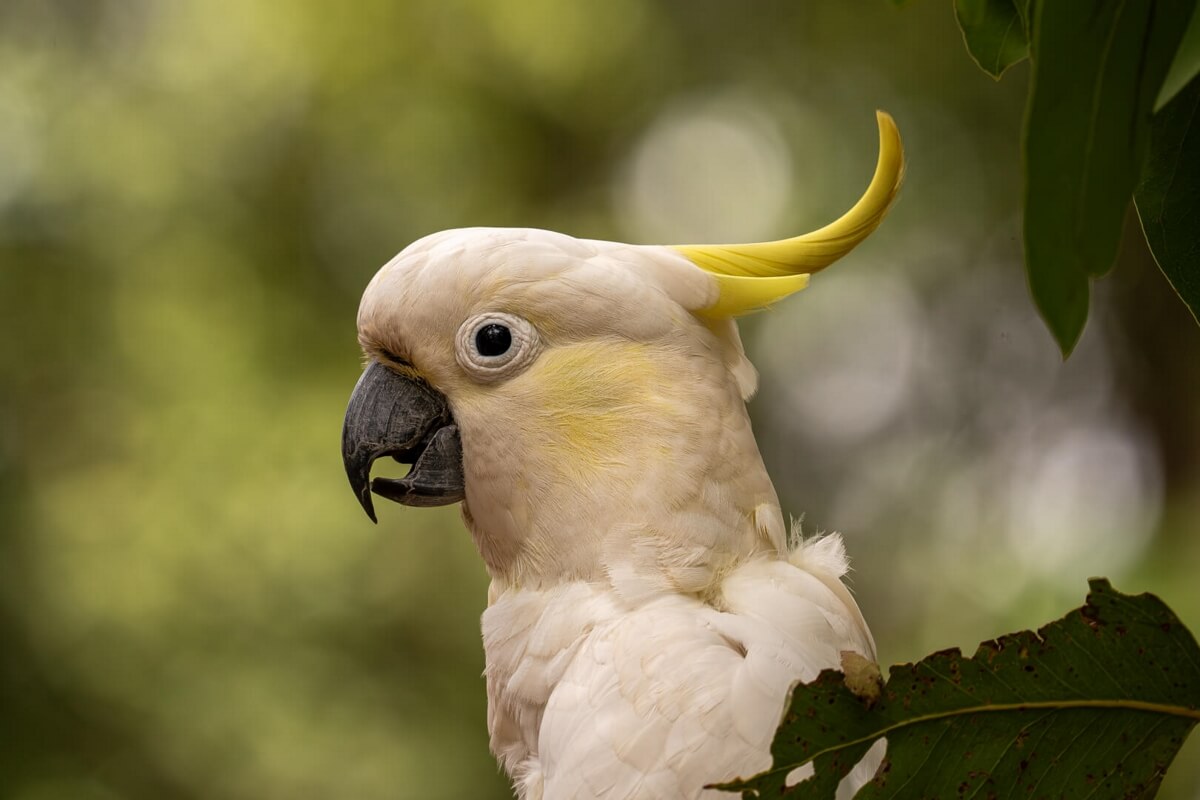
(752, 276)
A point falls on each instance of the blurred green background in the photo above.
(193, 194)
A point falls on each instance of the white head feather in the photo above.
(612, 438)
(626, 422)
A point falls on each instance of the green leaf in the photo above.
(1186, 64)
(994, 33)
(1096, 70)
(1093, 705)
(1168, 199)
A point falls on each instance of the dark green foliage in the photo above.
(1093, 705)
(1096, 71)
(994, 33)
(1099, 71)
(1168, 199)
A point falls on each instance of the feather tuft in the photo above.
(752, 276)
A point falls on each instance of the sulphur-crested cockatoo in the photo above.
(585, 402)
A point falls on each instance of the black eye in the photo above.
(493, 340)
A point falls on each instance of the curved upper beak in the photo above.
(390, 414)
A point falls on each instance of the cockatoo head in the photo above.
(576, 393)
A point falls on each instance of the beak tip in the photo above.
(394, 415)
(362, 490)
(364, 499)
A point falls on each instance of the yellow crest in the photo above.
(752, 276)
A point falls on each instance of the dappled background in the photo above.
(194, 193)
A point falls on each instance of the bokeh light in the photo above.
(193, 196)
(710, 169)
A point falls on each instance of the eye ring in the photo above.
(479, 351)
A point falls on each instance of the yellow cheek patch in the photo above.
(596, 401)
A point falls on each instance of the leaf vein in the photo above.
(1112, 770)
(1079, 761)
(932, 748)
(1008, 748)
(1092, 657)
(999, 68)
(1046, 730)
(1051, 705)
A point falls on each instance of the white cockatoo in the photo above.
(585, 401)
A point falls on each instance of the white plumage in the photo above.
(589, 698)
(647, 614)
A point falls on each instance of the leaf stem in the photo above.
(1054, 705)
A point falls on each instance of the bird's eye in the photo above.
(493, 340)
(496, 345)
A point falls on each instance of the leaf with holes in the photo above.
(1093, 705)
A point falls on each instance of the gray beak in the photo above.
(393, 415)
